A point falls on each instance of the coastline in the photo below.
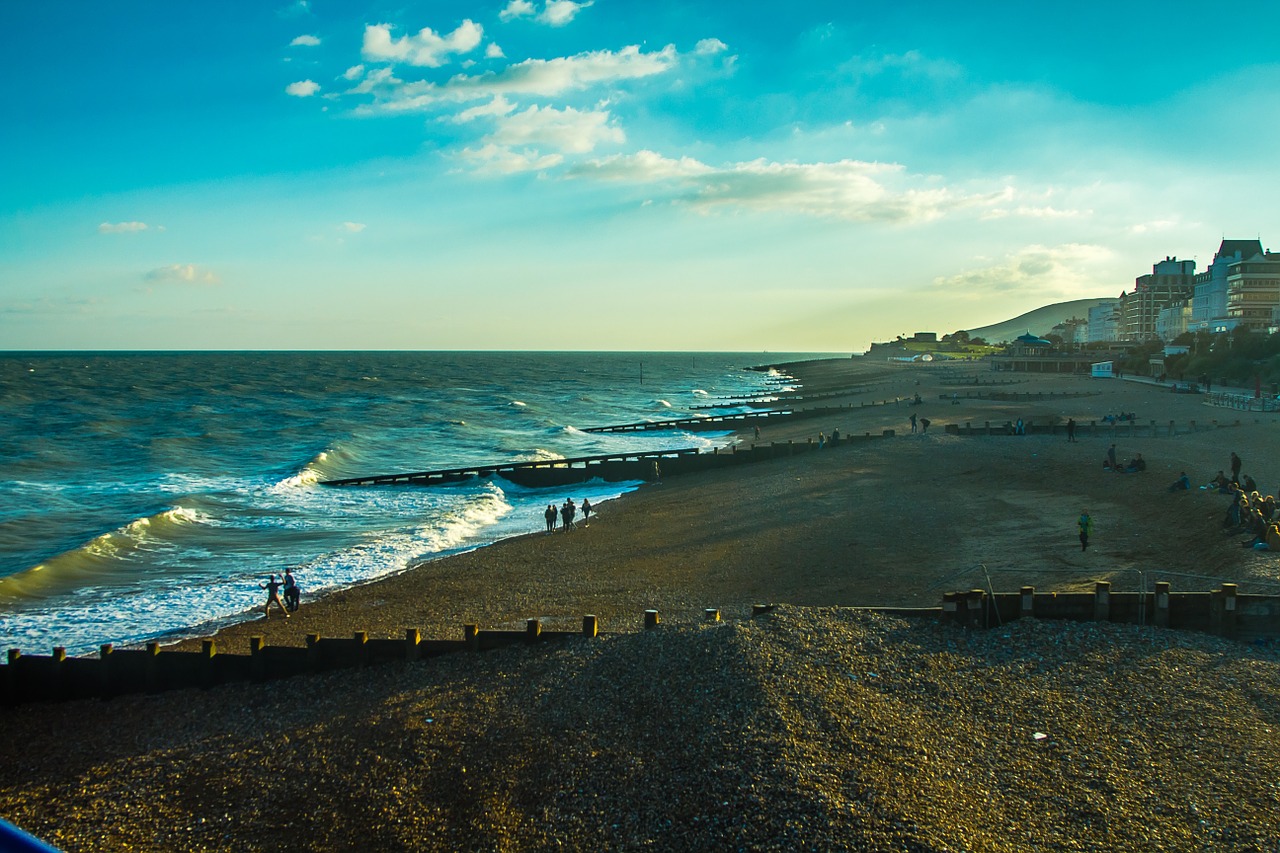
(816, 724)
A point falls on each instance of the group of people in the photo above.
(1250, 513)
(1123, 417)
(566, 514)
(920, 424)
(292, 594)
(1136, 465)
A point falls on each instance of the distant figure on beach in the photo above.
(822, 440)
(292, 593)
(586, 509)
(1182, 484)
(1220, 482)
(1085, 524)
(1020, 428)
(757, 432)
(1071, 429)
(272, 586)
(657, 471)
(924, 425)
(1135, 465)
(1235, 467)
(913, 422)
(835, 435)
(550, 515)
(567, 512)
(1111, 457)
(1248, 483)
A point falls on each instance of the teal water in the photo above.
(144, 494)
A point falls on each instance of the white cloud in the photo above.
(500, 160)
(845, 189)
(355, 72)
(183, 273)
(492, 51)
(1049, 270)
(499, 106)
(426, 48)
(710, 46)
(121, 227)
(540, 77)
(567, 130)
(517, 9)
(305, 41)
(352, 227)
(302, 88)
(557, 13)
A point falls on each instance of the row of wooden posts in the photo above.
(1225, 611)
(32, 678)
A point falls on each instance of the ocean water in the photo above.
(145, 494)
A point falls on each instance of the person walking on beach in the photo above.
(550, 515)
(1111, 457)
(292, 594)
(1235, 467)
(272, 586)
(586, 509)
(567, 513)
(924, 425)
(913, 422)
(1086, 527)
(1071, 429)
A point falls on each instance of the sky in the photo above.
(610, 174)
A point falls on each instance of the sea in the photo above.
(145, 496)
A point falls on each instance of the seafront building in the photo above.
(1253, 291)
(1209, 305)
(1169, 281)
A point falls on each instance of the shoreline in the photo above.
(815, 724)
(732, 533)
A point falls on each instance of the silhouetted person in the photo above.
(1235, 467)
(272, 586)
(1071, 429)
(1086, 527)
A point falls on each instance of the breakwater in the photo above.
(1224, 612)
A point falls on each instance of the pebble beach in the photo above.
(818, 725)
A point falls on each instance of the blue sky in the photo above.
(611, 175)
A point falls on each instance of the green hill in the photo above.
(1037, 322)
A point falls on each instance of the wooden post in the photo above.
(711, 614)
(1027, 602)
(471, 635)
(1230, 613)
(208, 651)
(590, 626)
(1162, 604)
(412, 639)
(977, 606)
(988, 423)
(948, 614)
(1102, 601)
(313, 652)
(105, 670)
(760, 609)
(650, 619)
(532, 630)
(152, 676)
(257, 663)
(10, 694)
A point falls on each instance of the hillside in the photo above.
(1037, 322)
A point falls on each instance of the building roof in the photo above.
(1243, 248)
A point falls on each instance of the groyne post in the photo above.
(948, 614)
(532, 630)
(151, 675)
(313, 652)
(590, 626)
(1102, 601)
(257, 664)
(650, 620)
(1230, 613)
(471, 636)
(208, 674)
(1027, 602)
(977, 604)
(1162, 604)
(412, 640)
(711, 614)
(106, 665)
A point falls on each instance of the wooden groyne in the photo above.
(708, 424)
(26, 678)
(1225, 612)
(544, 472)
